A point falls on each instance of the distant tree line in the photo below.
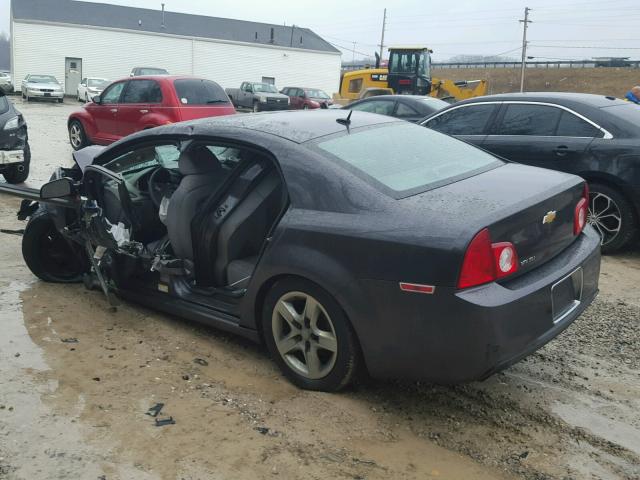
(5, 51)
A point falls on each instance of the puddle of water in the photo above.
(586, 416)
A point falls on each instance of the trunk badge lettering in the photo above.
(549, 217)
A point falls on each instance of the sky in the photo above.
(560, 30)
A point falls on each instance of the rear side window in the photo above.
(405, 111)
(4, 104)
(471, 120)
(538, 120)
(142, 91)
(404, 159)
(382, 107)
(193, 91)
(572, 126)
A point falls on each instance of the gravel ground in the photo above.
(77, 410)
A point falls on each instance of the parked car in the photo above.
(6, 84)
(593, 136)
(407, 107)
(258, 96)
(90, 87)
(15, 153)
(306, 98)
(43, 87)
(132, 104)
(147, 71)
(344, 241)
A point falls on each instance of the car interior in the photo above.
(197, 210)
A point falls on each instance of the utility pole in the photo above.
(384, 26)
(526, 23)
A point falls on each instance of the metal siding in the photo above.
(42, 48)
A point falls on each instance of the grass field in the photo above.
(605, 81)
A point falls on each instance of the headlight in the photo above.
(12, 124)
(263, 99)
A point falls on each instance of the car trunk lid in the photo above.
(530, 207)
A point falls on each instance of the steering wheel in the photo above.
(162, 183)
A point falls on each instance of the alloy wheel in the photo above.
(75, 135)
(304, 335)
(604, 215)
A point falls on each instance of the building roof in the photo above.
(146, 20)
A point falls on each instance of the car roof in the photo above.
(563, 98)
(162, 77)
(298, 126)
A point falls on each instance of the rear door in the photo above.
(105, 114)
(542, 135)
(139, 97)
(469, 122)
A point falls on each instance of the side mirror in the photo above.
(62, 187)
(96, 99)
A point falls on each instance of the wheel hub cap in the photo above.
(604, 215)
(304, 335)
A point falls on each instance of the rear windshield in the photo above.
(193, 91)
(405, 159)
(4, 104)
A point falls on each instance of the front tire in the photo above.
(48, 254)
(256, 107)
(77, 135)
(309, 336)
(612, 216)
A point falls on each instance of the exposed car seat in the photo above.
(202, 176)
(243, 233)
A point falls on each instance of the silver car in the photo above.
(5, 82)
(42, 86)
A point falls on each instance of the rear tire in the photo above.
(313, 342)
(77, 136)
(14, 175)
(612, 216)
(60, 100)
(48, 254)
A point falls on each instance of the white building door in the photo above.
(72, 75)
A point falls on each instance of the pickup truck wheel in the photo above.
(48, 254)
(77, 135)
(19, 173)
(256, 107)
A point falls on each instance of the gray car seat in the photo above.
(243, 233)
(202, 176)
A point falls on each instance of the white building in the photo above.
(73, 40)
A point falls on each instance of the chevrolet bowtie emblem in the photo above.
(549, 217)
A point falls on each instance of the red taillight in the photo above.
(580, 214)
(485, 262)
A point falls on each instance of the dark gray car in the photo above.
(14, 146)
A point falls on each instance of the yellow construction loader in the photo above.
(408, 73)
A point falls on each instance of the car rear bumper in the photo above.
(457, 336)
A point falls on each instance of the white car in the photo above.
(42, 86)
(90, 87)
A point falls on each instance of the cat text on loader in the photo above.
(409, 73)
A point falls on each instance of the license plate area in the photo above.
(566, 295)
(47, 94)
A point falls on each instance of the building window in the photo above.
(269, 80)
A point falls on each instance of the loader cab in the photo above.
(410, 70)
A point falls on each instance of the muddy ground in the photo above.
(76, 409)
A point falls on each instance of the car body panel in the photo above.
(411, 108)
(13, 142)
